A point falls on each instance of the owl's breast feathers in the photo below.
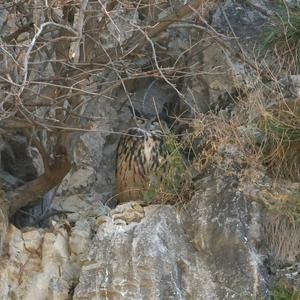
(139, 155)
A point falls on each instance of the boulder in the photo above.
(148, 259)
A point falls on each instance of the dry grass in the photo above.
(282, 236)
(279, 117)
(276, 142)
(281, 125)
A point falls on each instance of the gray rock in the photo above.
(78, 181)
(8, 181)
(290, 86)
(205, 252)
(240, 20)
(80, 237)
(222, 224)
(218, 71)
(293, 3)
(153, 259)
(77, 203)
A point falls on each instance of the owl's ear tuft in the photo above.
(134, 111)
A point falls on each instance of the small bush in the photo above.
(172, 182)
(283, 292)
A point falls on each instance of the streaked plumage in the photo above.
(140, 155)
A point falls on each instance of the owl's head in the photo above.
(149, 122)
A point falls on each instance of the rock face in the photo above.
(221, 223)
(210, 248)
(206, 250)
(220, 72)
(150, 259)
(39, 263)
(203, 251)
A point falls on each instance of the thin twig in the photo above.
(75, 46)
(157, 66)
(41, 149)
(32, 44)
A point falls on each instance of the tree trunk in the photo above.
(33, 191)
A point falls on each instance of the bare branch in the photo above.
(32, 44)
(34, 190)
(138, 40)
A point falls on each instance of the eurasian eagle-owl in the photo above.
(140, 155)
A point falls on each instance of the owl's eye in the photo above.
(155, 123)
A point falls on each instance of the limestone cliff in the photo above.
(229, 229)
